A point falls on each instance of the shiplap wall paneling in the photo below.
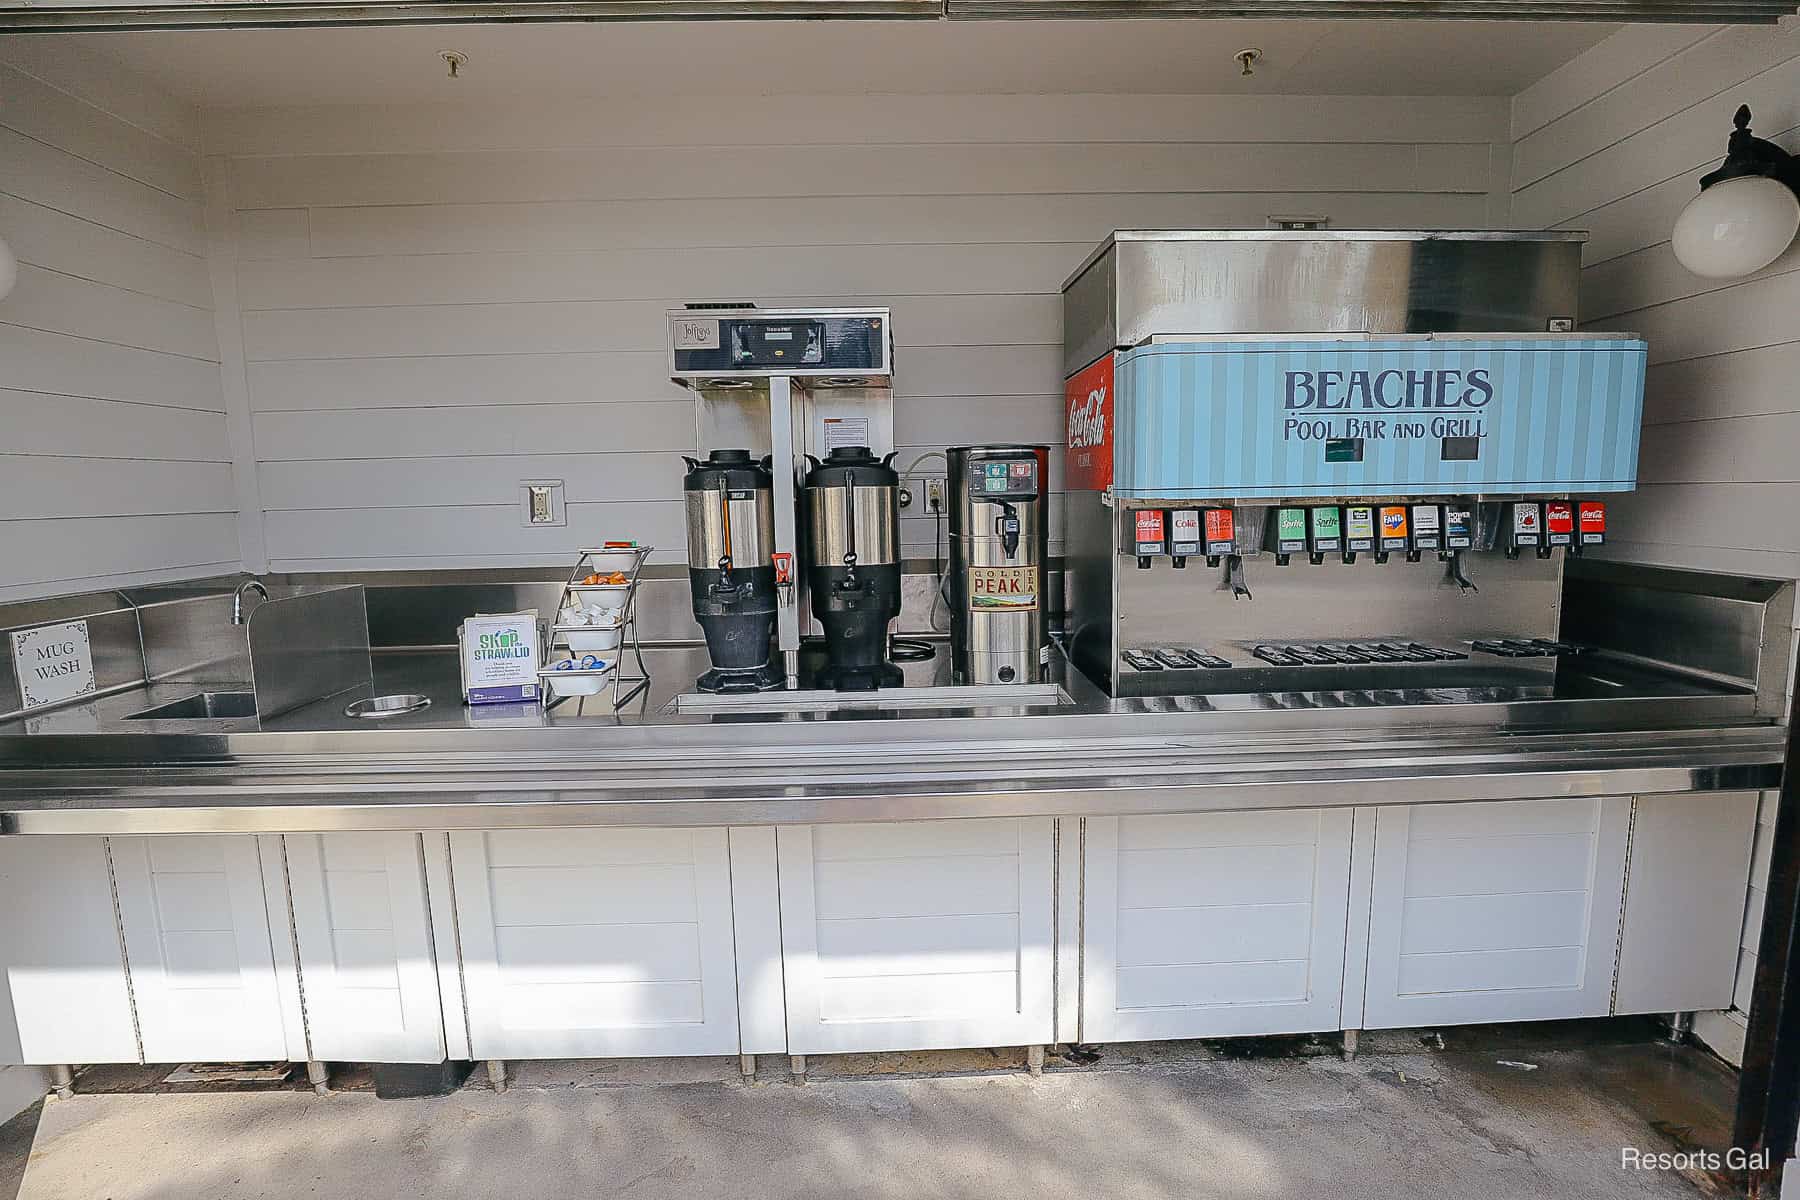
(197, 940)
(1615, 143)
(925, 935)
(66, 998)
(1214, 925)
(114, 466)
(1684, 901)
(437, 306)
(1495, 912)
(362, 929)
(596, 942)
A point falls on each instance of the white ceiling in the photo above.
(272, 67)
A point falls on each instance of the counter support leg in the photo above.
(319, 1075)
(797, 1067)
(62, 1078)
(1034, 1060)
(747, 1065)
(1350, 1044)
(496, 1069)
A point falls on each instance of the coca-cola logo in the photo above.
(1087, 420)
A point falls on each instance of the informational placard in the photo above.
(53, 663)
(500, 658)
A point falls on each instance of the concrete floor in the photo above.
(1535, 1113)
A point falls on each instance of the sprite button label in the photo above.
(1290, 530)
(1325, 523)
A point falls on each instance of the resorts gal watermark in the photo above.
(1632, 1158)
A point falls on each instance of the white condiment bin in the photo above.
(590, 639)
(624, 559)
(610, 596)
(576, 683)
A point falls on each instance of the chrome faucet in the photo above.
(237, 598)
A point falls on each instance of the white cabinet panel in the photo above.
(596, 942)
(922, 935)
(1684, 901)
(197, 940)
(1214, 925)
(363, 935)
(1502, 911)
(66, 992)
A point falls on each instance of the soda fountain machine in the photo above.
(1312, 461)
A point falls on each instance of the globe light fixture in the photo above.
(1747, 212)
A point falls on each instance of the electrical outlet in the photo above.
(934, 495)
(541, 503)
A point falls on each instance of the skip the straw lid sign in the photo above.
(53, 662)
(1089, 394)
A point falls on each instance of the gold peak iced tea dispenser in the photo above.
(999, 555)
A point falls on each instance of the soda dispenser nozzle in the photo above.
(1234, 571)
(1453, 571)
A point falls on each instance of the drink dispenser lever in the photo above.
(1006, 527)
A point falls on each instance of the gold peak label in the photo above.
(1012, 588)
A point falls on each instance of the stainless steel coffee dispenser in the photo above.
(999, 548)
(731, 574)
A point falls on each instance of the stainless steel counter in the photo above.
(86, 769)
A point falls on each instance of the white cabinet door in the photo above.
(1684, 901)
(596, 942)
(66, 993)
(363, 936)
(918, 936)
(1214, 925)
(1503, 911)
(197, 940)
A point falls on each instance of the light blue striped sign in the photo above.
(1392, 416)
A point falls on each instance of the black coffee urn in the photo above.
(853, 565)
(730, 535)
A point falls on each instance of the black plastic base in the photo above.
(764, 679)
(412, 1081)
(861, 679)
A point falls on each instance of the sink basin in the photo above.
(202, 706)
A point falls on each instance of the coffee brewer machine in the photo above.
(853, 564)
(999, 548)
(796, 384)
(731, 572)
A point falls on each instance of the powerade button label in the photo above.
(1184, 531)
(1459, 533)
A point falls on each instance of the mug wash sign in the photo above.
(53, 663)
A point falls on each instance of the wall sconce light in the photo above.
(1747, 211)
(9, 269)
